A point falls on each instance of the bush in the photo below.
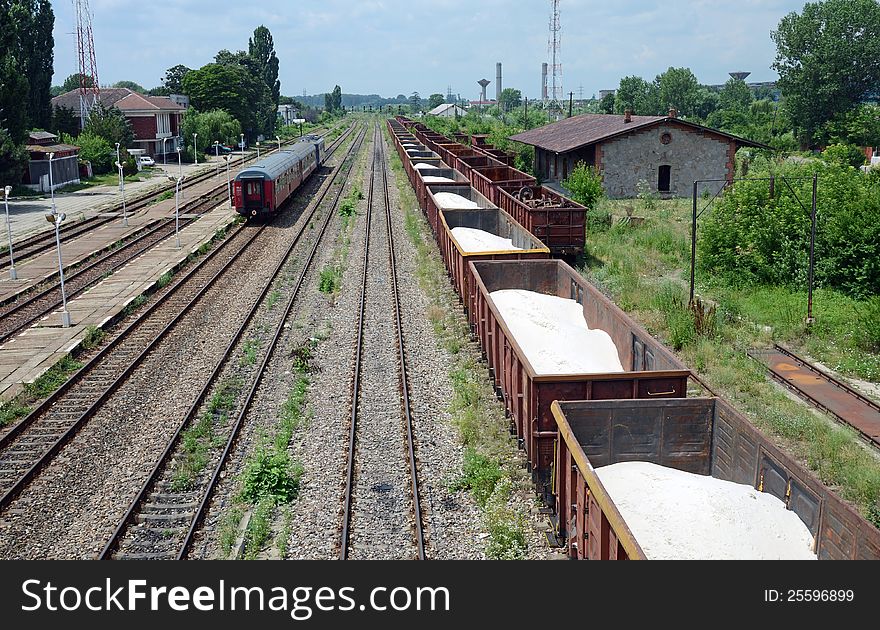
(270, 474)
(844, 155)
(869, 325)
(480, 475)
(585, 185)
(750, 237)
(95, 149)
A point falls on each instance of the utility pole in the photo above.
(570, 104)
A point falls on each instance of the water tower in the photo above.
(742, 76)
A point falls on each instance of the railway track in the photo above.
(28, 446)
(164, 517)
(381, 471)
(39, 243)
(19, 315)
(823, 391)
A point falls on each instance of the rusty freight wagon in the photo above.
(429, 177)
(651, 370)
(705, 436)
(432, 206)
(490, 181)
(494, 221)
(556, 220)
(466, 164)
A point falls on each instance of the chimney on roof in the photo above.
(673, 113)
(628, 116)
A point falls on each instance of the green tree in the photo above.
(37, 45)
(13, 92)
(859, 126)
(13, 160)
(435, 100)
(585, 185)
(97, 150)
(72, 82)
(110, 124)
(636, 94)
(678, 88)
(262, 49)
(415, 101)
(215, 125)
(131, 85)
(828, 60)
(735, 95)
(606, 104)
(844, 155)
(173, 80)
(510, 99)
(232, 88)
(65, 120)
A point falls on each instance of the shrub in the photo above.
(844, 155)
(271, 474)
(99, 152)
(750, 237)
(480, 475)
(869, 325)
(585, 185)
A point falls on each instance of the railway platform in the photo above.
(26, 357)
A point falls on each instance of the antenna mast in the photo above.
(555, 48)
(89, 88)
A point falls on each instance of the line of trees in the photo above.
(26, 59)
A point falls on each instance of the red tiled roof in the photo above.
(121, 98)
(573, 133)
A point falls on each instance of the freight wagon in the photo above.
(556, 220)
(697, 435)
(651, 370)
(422, 178)
(493, 221)
(432, 206)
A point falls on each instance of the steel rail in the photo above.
(165, 459)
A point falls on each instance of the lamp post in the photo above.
(178, 186)
(217, 155)
(278, 138)
(56, 219)
(117, 162)
(228, 180)
(12, 274)
(164, 153)
(195, 148)
(122, 179)
(258, 149)
(241, 144)
(51, 186)
(179, 163)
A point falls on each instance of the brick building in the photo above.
(667, 153)
(154, 119)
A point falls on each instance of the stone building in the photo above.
(665, 152)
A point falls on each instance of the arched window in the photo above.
(664, 179)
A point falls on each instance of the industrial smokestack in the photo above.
(498, 83)
(544, 82)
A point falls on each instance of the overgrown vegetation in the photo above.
(645, 269)
(12, 410)
(199, 439)
(754, 237)
(93, 338)
(53, 378)
(489, 471)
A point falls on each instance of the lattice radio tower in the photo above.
(89, 88)
(555, 49)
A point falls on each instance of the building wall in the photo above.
(556, 167)
(64, 171)
(692, 156)
(144, 127)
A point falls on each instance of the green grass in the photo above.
(12, 410)
(54, 378)
(199, 439)
(645, 271)
(164, 280)
(93, 338)
(331, 280)
(229, 530)
(259, 528)
(274, 297)
(250, 350)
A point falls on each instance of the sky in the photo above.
(392, 47)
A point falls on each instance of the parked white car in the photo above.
(146, 160)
